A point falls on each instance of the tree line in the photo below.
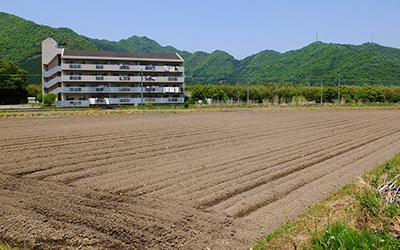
(287, 93)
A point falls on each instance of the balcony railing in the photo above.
(124, 78)
(75, 78)
(131, 68)
(150, 67)
(75, 66)
(75, 89)
(116, 101)
(136, 79)
(73, 103)
(110, 90)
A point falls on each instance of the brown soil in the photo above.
(218, 180)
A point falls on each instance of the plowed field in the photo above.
(187, 180)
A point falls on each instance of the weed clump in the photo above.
(341, 236)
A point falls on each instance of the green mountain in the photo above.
(369, 63)
(21, 42)
(218, 66)
(136, 44)
(320, 62)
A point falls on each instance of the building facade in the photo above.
(84, 77)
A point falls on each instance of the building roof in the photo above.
(141, 55)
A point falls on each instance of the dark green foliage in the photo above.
(395, 98)
(12, 83)
(341, 236)
(369, 94)
(49, 99)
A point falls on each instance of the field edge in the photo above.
(345, 207)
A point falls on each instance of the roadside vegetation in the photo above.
(355, 217)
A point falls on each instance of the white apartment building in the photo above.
(87, 77)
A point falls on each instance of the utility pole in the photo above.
(238, 86)
(321, 92)
(338, 90)
(248, 83)
(141, 87)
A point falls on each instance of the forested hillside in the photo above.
(369, 63)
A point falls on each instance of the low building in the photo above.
(89, 77)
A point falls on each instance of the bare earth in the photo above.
(218, 180)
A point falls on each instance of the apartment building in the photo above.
(84, 77)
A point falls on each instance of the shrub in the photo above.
(49, 99)
(395, 98)
(39, 97)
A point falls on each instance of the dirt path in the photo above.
(192, 180)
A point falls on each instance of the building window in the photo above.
(74, 66)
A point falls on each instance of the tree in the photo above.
(369, 94)
(395, 98)
(215, 93)
(329, 94)
(12, 83)
(197, 92)
(33, 89)
(49, 99)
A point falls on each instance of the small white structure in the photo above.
(32, 99)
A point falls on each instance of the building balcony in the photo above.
(122, 90)
(136, 79)
(123, 67)
(118, 101)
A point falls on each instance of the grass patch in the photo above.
(341, 236)
(354, 217)
(4, 246)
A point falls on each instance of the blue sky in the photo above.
(241, 28)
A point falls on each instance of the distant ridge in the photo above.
(369, 63)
